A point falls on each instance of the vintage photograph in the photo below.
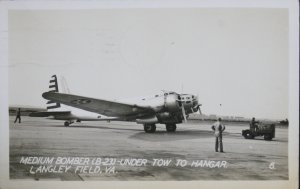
(149, 94)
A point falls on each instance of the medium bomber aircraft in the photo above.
(169, 108)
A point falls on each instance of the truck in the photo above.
(261, 129)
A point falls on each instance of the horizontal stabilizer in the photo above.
(46, 114)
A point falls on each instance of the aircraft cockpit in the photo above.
(169, 93)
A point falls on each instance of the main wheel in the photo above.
(66, 123)
(149, 128)
(171, 127)
(248, 135)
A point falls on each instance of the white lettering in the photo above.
(181, 163)
(36, 160)
(209, 163)
(133, 162)
(72, 160)
(161, 162)
(49, 169)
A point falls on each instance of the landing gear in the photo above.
(149, 128)
(68, 123)
(171, 127)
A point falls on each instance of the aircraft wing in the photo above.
(104, 107)
(46, 114)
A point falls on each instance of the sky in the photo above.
(235, 60)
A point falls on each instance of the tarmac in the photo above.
(123, 151)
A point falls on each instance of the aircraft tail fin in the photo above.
(55, 108)
(53, 87)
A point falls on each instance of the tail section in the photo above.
(53, 87)
(59, 111)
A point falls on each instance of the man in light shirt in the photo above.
(218, 129)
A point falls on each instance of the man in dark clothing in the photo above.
(18, 115)
(253, 125)
(218, 129)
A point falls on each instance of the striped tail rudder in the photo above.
(53, 86)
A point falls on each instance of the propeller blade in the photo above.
(183, 113)
(199, 109)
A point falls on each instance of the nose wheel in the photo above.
(149, 128)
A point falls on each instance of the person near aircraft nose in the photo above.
(218, 129)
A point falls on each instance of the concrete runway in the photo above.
(245, 159)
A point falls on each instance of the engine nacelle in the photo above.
(166, 117)
(172, 102)
(149, 120)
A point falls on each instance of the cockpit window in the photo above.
(156, 96)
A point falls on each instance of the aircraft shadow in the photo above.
(103, 127)
(161, 136)
(92, 127)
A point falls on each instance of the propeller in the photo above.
(196, 107)
(199, 109)
(182, 107)
(183, 112)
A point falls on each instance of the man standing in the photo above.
(218, 129)
(18, 115)
(253, 125)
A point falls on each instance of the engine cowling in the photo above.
(166, 117)
(172, 102)
(163, 116)
(149, 120)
